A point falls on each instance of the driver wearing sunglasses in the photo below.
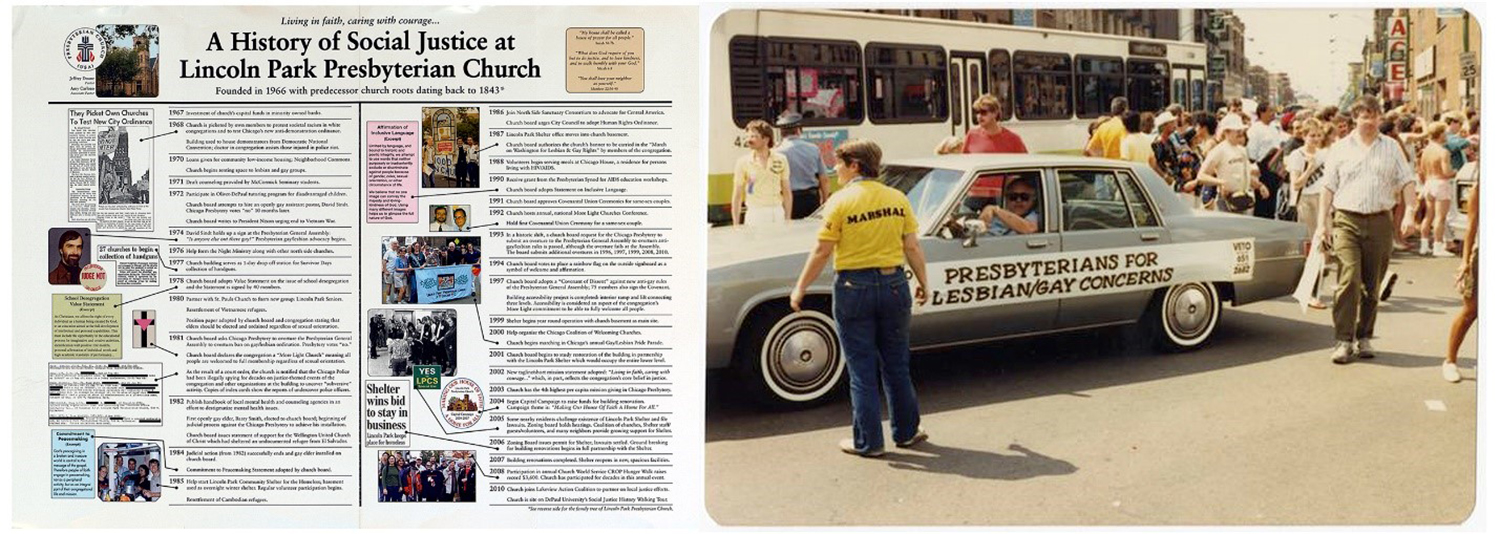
(1018, 216)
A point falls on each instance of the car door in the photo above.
(1107, 222)
(966, 304)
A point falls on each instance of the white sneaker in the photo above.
(1343, 353)
(847, 445)
(1450, 372)
(1442, 252)
(1426, 248)
(1362, 349)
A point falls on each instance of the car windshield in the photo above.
(925, 187)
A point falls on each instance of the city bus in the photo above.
(907, 83)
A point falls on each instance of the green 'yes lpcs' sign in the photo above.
(427, 376)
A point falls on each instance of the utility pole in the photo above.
(1469, 99)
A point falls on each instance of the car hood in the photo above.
(732, 245)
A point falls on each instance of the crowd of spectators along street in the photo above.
(1247, 158)
(1258, 160)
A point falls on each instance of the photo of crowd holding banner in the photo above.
(450, 147)
(427, 476)
(430, 269)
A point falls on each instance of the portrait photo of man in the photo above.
(440, 220)
(69, 255)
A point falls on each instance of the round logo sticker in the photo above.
(84, 49)
(462, 401)
(92, 277)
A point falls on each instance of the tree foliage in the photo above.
(127, 32)
(120, 64)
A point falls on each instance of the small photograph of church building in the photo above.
(130, 61)
(120, 182)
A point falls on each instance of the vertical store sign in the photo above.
(1396, 32)
(444, 123)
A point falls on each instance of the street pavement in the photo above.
(1097, 429)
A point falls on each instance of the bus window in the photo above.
(1146, 84)
(907, 83)
(1197, 96)
(816, 79)
(1000, 81)
(1179, 93)
(957, 89)
(1043, 85)
(1099, 79)
(975, 80)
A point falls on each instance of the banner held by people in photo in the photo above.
(439, 284)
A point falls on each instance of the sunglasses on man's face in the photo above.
(1018, 197)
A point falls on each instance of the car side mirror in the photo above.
(954, 228)
(967, 228)
(973, 228)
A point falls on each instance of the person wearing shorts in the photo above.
(1437, 173)
(1468, 288)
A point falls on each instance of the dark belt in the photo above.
(881, 270)
(812, 189)
(1385, 213)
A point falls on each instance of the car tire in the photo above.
(788, 359)
(1183, 317)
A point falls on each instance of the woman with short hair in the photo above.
(872, 230)
(988, 136)
(1136, 145)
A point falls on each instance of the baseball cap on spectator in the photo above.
(1231, 122)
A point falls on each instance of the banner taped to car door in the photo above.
(993, 281)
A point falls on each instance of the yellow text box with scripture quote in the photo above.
(606, 60)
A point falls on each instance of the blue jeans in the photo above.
(872, 312)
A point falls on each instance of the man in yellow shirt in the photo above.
(873, 231)
(1106, 139)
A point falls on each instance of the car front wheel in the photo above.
(1183, 317)
(790, 359)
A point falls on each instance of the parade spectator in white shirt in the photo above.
(1262, 136)
(1361, 178)
(1262, 146)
